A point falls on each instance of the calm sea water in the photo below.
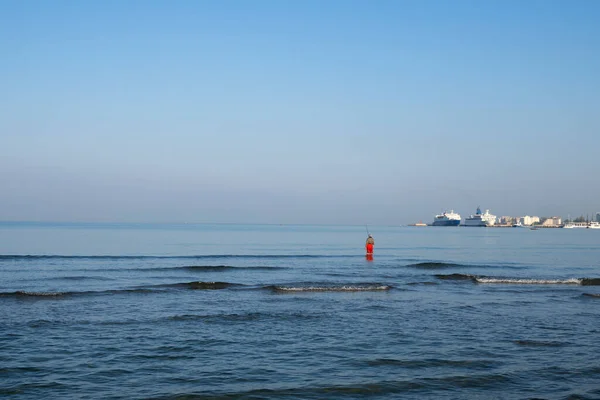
(297, 312)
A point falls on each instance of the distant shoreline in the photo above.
(491, 226)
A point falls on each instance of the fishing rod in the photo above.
(367, 228)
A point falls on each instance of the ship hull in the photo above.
(450, 222)
(475, 223)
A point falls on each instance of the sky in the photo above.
(310, 112)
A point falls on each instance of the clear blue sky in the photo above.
(349, 112)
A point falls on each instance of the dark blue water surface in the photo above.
(297, 312)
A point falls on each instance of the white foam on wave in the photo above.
(50, 294)
(333, 288)
(571, 281)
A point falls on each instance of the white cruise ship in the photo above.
(588, 225)
(572, 225)
(447, 219)
(479, 219)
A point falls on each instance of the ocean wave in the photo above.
(78, 278)
(436, 265)
(204, 268)
(329, 288)
(429, 363)
(539, 343)
(216, 317)
(594, 295)
(456, 277)
(55, 295)
(199, 285)
(371, 387)
(214, 268)
(24, 293)
(520, 281)
(526, 281)
(590, 281)
(193, 268)
(251, 316)
(443, 265)
(195, 285)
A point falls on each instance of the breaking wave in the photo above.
(24, 293)
(520, 281)
(526, 281)
(329, 288)
(199, 285)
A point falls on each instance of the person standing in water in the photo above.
(370, 244)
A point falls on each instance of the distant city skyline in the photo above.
(525, 219)
(337, 112)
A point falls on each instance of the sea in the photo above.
(227, 311)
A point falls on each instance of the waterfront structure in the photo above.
(527, 220)
(552, 221)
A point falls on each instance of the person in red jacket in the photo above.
(370, 244)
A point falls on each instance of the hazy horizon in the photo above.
(338, 112)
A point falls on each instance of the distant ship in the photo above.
(447, 219)
(479, 219)
(590, 225)
(571, 225)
